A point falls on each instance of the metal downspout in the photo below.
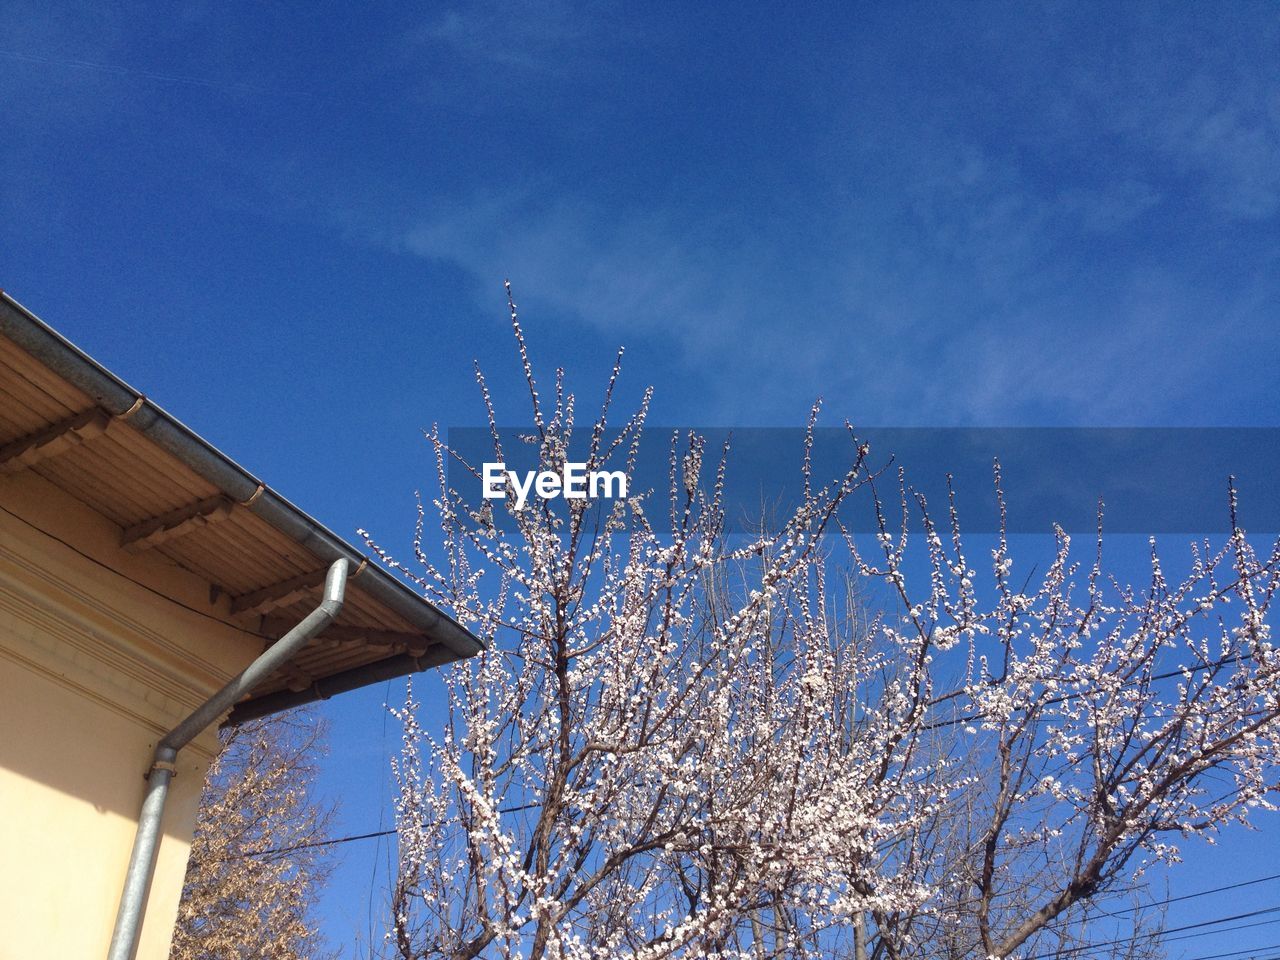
(146, 842)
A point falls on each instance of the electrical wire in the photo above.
(1244, 953)
(333, 841)
(1162, 935)
(1192, 896)
(124, 576)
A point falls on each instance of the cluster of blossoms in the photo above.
(684, 744)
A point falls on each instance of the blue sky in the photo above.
(289, 224)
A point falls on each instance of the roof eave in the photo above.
(117, 397)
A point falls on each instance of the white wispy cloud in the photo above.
(638, 272)
(961, 280)
(526, 35)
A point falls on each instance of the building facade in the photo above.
(140, 570)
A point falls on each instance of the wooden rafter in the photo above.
(52, 440)
(346, 634)
(176, 523)
(295, 677)
(278, 594)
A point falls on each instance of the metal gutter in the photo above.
(331, 686)
(146, 841)
(115, 396)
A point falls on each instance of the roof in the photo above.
(68, 419)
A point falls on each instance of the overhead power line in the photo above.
(1162, 935)
(1201, 893)
(1243, 953)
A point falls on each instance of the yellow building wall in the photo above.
(101, 652)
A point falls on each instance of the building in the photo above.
(140, 570)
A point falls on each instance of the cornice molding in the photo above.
(80, 639)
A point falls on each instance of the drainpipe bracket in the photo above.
(163, 765)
